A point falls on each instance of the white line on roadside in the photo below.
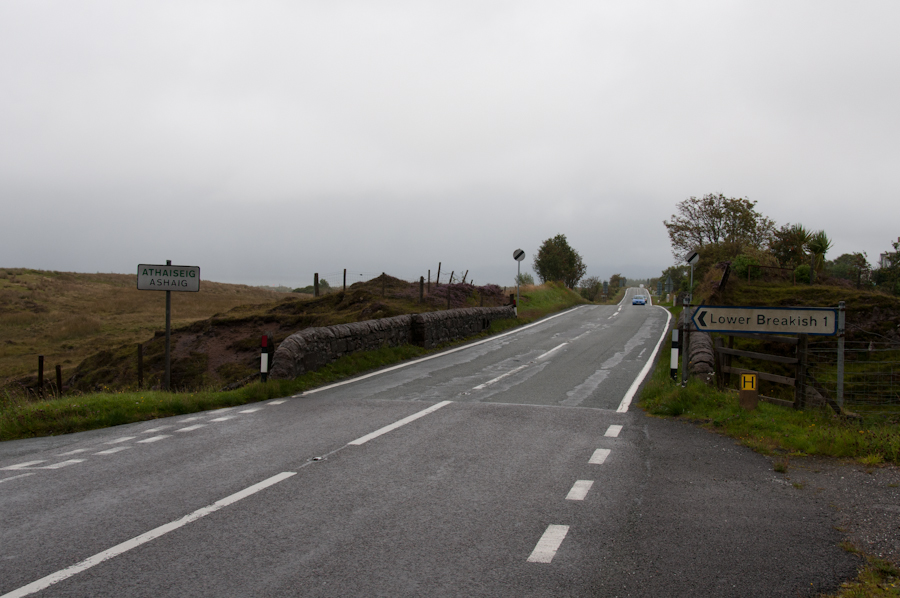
(22, 465)
(254, 410)
(75, 452)
(613, 431)
(153, 439)
(188, 419)
(626, 400)
(579, 490)
(16, 477)
(551, 351)
(62, 464)
(191, 428)
(398, 423)
(599, 456)
(436, 355)
(546, 547)
(113, 450)
(278, 402)
(221, 419)
(49, 580)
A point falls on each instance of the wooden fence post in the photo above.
(345, 280)
(58, 380)
(421, 289)
(429, 281)
(800, 380)
(316, 285)
(437, 280)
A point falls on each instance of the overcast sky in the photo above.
(264, 141)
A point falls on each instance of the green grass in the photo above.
(772, 429)
(20, 418)
(876, 579)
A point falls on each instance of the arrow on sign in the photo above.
(700, 318)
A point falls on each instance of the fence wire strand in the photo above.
(871, 371)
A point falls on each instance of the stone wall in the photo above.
(701, 359)
(312, 348)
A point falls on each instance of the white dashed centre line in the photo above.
(75, 452)
(599, 456)
(15, 477)
(153, 439)
(188, 419)
(250, 410)
(113, 450)
(579, 490)
(63, 464)
(22, 465)
(190, 428)
(118, 440)
(397, 424)
(548, 544)
(613, 431)
(278, 402)
(221, 419)
(154, 430)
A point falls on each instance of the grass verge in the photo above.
(876, 579)
(24, 419)
(771, 429)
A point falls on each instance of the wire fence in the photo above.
(871, 371)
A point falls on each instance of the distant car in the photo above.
(639, 300)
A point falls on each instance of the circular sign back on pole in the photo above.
(518, 255)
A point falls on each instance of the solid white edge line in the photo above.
(548, 544)
(626, 400)
(396, 424)
(436, 355)
(118, 549)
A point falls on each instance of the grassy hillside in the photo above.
(68, 316)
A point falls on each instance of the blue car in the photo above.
(639, 300)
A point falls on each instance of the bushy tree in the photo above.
(524, 278)
(590, 288)
(851, 266)
(789, 245)
(714, 219)
(557, 261)
(615, 281)
(888, 276)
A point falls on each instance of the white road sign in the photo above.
(152, 277)
(518, 255)
(772, 320)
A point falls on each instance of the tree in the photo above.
(818, 245)
(524, 278)
(615, 281)
(789, 245)
(556, 260)
(887, 277)
(590, 288)
(850, 266)
(714, 219)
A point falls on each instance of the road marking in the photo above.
(546, 547)
(221, 419)
(45, 582)
(190, 428)
(153, 439)
(188, 419)
(626, 400)
(278, 402)
(551, 351)
(579, 490)
(222, 410)
(156, 429)
(113, 450)
(75, 452)
(397, 424)
(599, 456)
(435, 356)
(118, 440)
(250, 410)
(501, 377)
(22, 465)
(15, 477)
(63, 464)
(613, 431)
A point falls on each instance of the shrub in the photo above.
(802, 273)
(742, 263)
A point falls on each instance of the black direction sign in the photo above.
(769, 320)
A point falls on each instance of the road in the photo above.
(515, 466)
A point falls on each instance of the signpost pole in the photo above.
(518, 276)
(840, 355)
(168, 376)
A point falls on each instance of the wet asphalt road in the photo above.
(527, 477)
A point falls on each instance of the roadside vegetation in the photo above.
(25, 417)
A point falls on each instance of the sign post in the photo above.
(168, 278)
(692, 258)
(749, 395)
(518, 255)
